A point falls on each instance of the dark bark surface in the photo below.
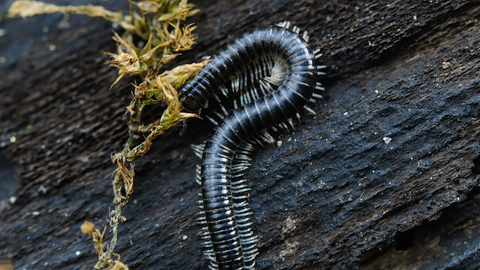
(384, 176)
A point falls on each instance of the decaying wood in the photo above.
(384, 176)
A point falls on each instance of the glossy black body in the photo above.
(220, 150)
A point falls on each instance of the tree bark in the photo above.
(384, 176)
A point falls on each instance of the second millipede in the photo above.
(278, 63)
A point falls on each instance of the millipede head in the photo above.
(190, 104)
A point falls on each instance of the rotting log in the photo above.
(384, 176)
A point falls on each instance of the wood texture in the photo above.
(384, 176)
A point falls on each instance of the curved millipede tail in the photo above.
(274, 73)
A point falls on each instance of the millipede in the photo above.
(273, 73)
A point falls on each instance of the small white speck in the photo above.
(114, 25)
(12, 199)
(387, 140)
(13, 139)
(35, 213)
(415, 17)
(42, 189)
(52, 47)
(63, 25)
(345, 113)
(376, 91)
(185, 237)
(279, 143)
(78, 252)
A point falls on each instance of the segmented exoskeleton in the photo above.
(278, 74)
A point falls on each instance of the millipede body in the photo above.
(276, 73)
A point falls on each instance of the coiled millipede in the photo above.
(274, 74)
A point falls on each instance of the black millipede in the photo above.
(276, 73)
